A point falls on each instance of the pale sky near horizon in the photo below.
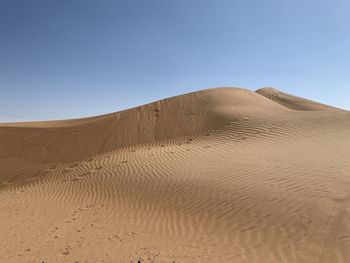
(72, 58)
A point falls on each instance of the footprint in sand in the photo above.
(72, 166)
(67, 250)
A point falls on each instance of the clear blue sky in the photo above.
(73, 58)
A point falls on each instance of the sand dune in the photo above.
(219, 175)
(293, 102)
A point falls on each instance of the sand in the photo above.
(219, 175)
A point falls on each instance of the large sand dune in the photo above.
(219, 175)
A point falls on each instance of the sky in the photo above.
(63, 59)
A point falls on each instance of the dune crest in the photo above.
(219, 175)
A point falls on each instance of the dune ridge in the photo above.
(219, 175)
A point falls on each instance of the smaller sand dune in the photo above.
(293, 102)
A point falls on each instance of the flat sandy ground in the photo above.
(220, 175)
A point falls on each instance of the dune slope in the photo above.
(219, 175)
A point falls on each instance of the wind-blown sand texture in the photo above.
(219, 175)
